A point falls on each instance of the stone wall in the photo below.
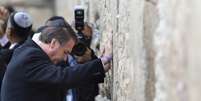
(177, 58)
(155, 45)
(151, 20)
(117, 21)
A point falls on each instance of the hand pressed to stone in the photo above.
(106, 60)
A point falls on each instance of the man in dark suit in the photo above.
(33, 76)
(18, 28)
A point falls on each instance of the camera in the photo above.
(79, 18)
(80, 48)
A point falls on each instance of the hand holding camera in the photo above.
(81, 47)
(84, 58)
(81, 51)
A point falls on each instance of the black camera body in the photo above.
(80, 48)
(79, 19)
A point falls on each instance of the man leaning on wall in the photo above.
(33, 76)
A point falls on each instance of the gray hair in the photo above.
(62, 35)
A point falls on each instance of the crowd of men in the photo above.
(40, 66)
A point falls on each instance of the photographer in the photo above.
(82, 54)
(18, 29)
(85, 92)
(5, 11)
(90, 91)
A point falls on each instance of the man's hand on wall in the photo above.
(106, 54)
(106, 60)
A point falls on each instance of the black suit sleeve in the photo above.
(41, 70)
(5, 56)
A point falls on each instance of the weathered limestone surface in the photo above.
(151, 20)
(177, 51)
(126, 29)
(155, 48)
(155, 45)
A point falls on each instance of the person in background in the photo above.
(88, 33)
(18, 28)
(90, 91)
(5, 12)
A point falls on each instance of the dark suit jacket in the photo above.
(87, 92)
(5, 57)
(6, 54)
(31, 76)
(7, 45)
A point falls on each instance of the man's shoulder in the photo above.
(27, 49)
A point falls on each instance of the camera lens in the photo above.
(79, 49)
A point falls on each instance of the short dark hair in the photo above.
(54, 21)
(57, 21)
(61, 34)
(53, 18)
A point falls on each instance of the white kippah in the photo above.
(23, 19)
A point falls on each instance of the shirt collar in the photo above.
(13, 45)
(4, 40)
